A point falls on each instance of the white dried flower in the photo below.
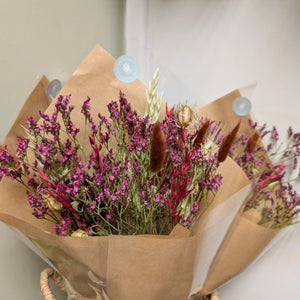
(79, 233)
(185, 115)
(52, 203)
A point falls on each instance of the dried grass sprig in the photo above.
(154, 101)
(227, 143)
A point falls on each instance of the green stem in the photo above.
(109, 224)
(152, 204)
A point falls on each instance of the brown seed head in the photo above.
(158, 148)
(227, 143)
(201, 134)
(252, 142)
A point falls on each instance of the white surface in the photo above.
(44, 37)
(205, 49)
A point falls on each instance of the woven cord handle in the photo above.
(44, 283)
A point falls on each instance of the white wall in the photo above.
(50, 37)
(44, 37)
(205, 49)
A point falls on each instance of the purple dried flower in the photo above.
(63, 227)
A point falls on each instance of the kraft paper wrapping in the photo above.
(13, 195)
(37, 100)
(121, 267)
(243, 242)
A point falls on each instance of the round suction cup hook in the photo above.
(126, 68)
(241, 106)
(53, 88)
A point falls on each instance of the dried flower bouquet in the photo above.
(158, 175)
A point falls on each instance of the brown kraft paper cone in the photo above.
(37, 100)
(243, 242)
(13, 199)
(231, 257)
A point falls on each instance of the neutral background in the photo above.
(44, 37)
(204, 49)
